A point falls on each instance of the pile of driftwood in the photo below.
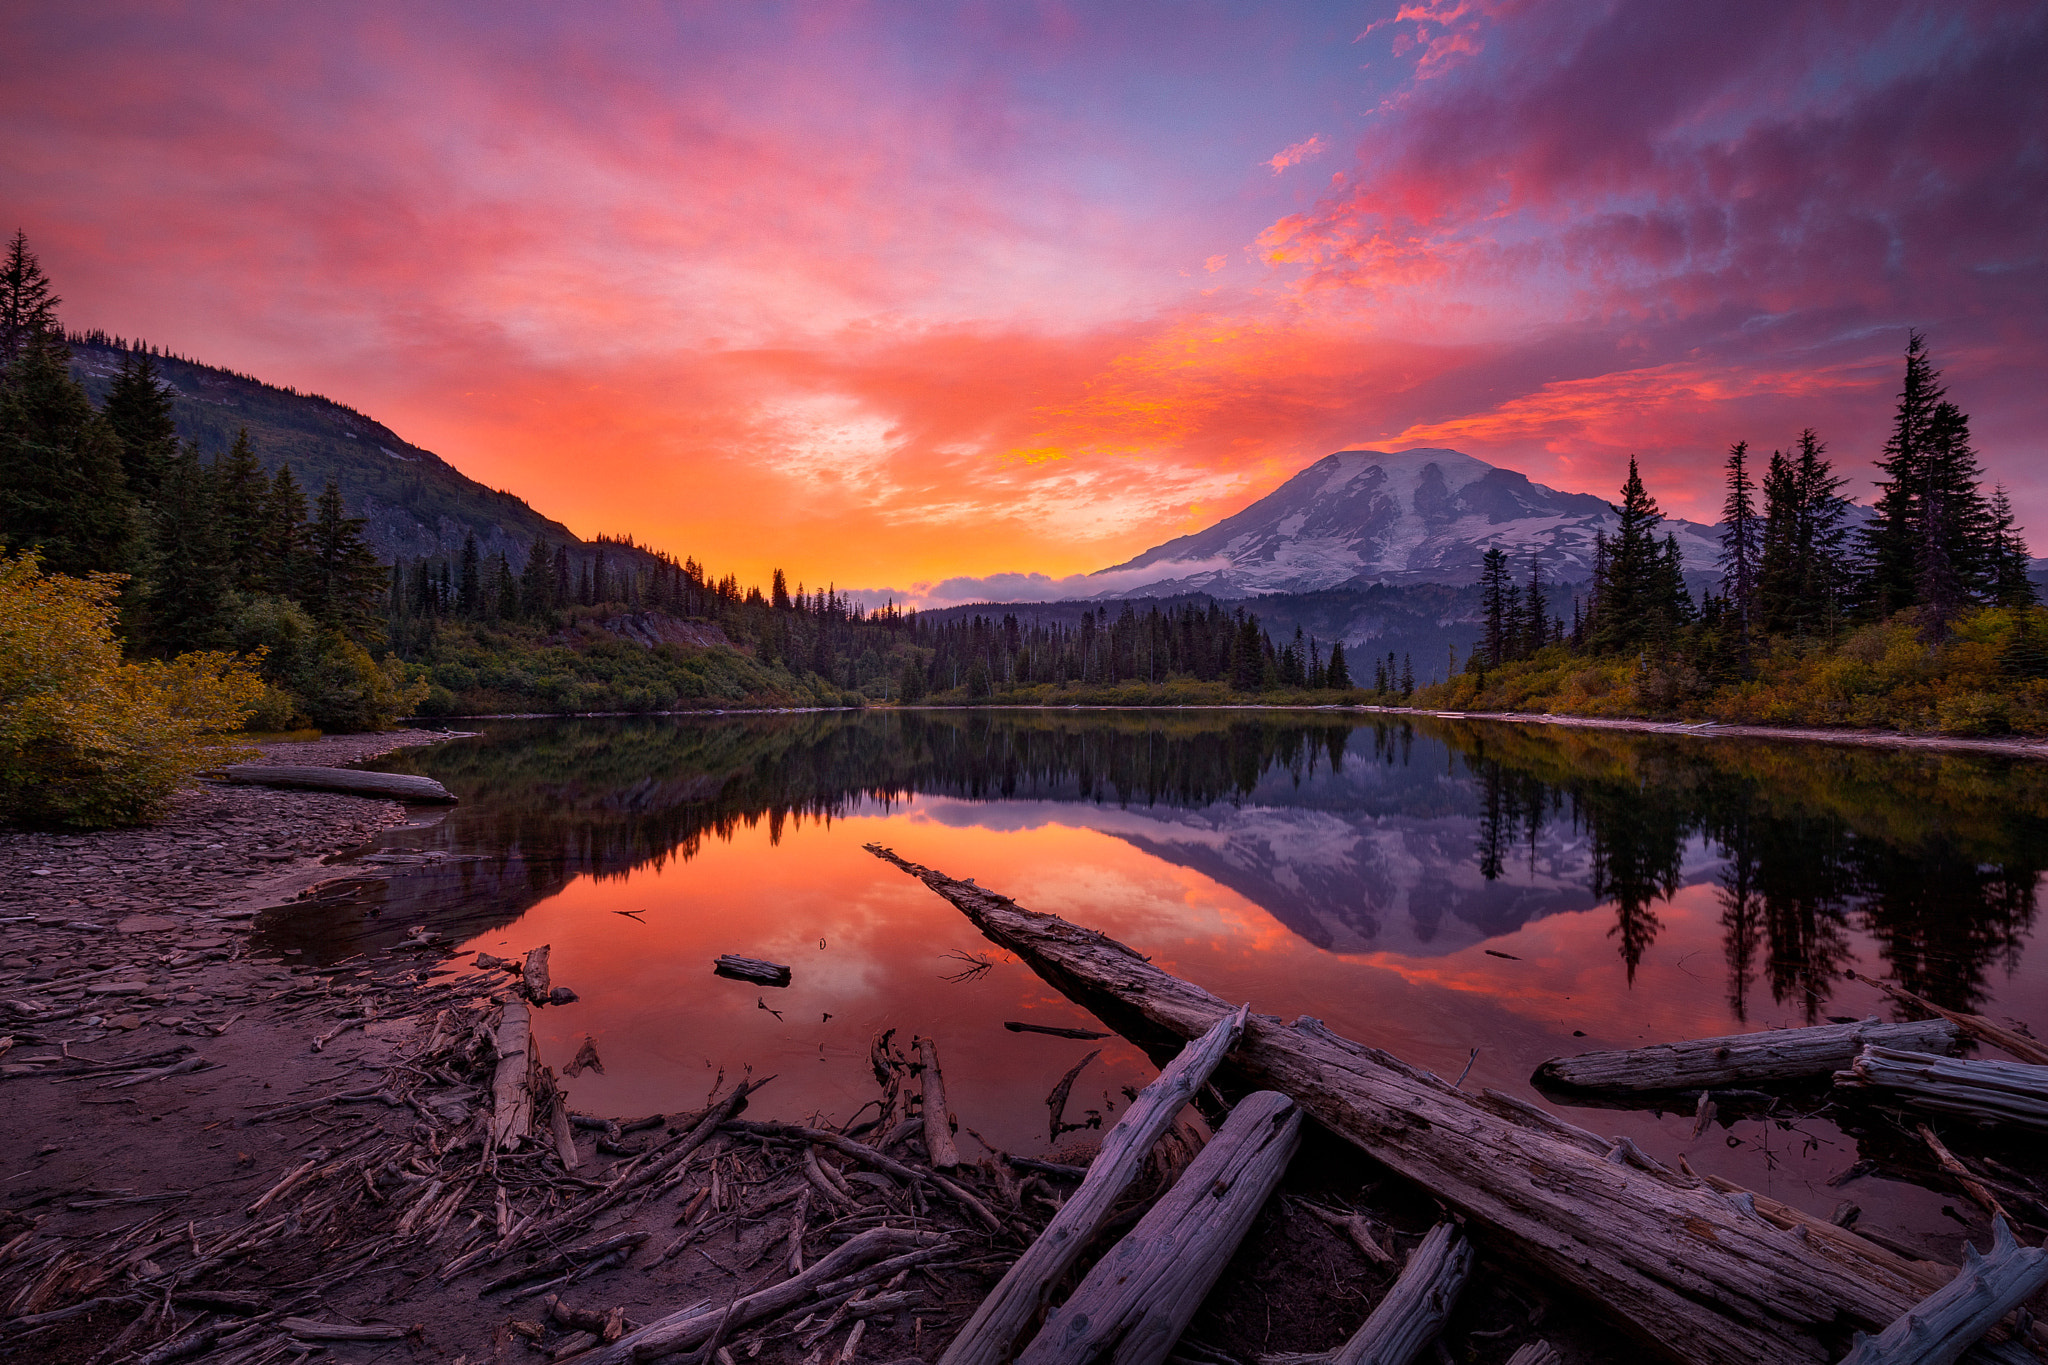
(1696, 1269)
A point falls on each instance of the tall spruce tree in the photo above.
(28, 310)
(1952, 565)
(1633, 602)
(284, 536)
(241, 497)
(1891, 549)
(1536, 611)
(139, 408)
(62, 491)
(2010, 584)
(1494, 606)
(469, 590)
(344, 582)
(184, 605)
(536, 582)
(1741, 539)
(1337, 675)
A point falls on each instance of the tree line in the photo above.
(1794, 564)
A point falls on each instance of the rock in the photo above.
(148, 924)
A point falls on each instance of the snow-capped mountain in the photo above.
(1360, 517)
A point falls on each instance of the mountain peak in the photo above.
(1358, 517)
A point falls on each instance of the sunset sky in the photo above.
(892, 294)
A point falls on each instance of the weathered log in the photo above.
(1008, 1312)
(354, 781)
(1990, 1092)
(1690, 1276)
(1976, 1025)
(1139, 1298)
(1535, 1353)
(533, 975)
(862, 1257)
(1746, 1059)
(1952, 1319)
(511, 1097)
(938, 1126)
(306, 1329)
(1088, 1035)
(1056, 1102)
(1414, 1310)
(752, 969)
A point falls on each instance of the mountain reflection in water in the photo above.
(1361, 836)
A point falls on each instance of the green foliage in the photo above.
(62, 491)
(87, 740)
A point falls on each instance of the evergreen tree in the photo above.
(1674, 606)
(1892, 553)
(1741, 540)
(188, 581)
(139, 409)
(28, 310)
(241, 497)
(1494, 606)
(778, 592)
(469, 591)
(344, 581)
(1536, 614)
(1632, 599)
(2010, 586)
(1407, 676)
(1337, 676)
(62, 490)
(284, 536)
(1247, 659)
(1953, 564)
(504, 593)
(536, 582)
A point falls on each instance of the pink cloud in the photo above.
(1297, 153)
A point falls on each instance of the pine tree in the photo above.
(469, 591)
(62, 489)
(139, 409)
(28, 310)
(284, 536)
(503, 597)
(241, 496)
(1674, 604)
(1741, 540)
(1337, 676)
(184, 603)
(1823, 533)
(778, 592)
(1494, 605)
(1536, 612)
(344, 581)
(1632, 599)
(1891, 547)
(2010, 585)
(1407, 676)
(536, 582)
(1247, 657)
(1952, 566)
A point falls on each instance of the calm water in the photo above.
(1426, 887)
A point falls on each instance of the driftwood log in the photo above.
(1955, 1317)
(938, 1123)
(1414, 1311)
(2013, 1093)
(511, 1096)
(751, 969)
(990, 1336)
(1085, 1034)
(1976, 1025)
(1687, 1271)
(1135, 1303)
(354, 781)
(1747, 1059)
(868, 1258)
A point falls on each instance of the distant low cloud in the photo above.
(1030, 587)
(1296, 154)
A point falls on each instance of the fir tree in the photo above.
(343, 578)
(284, 536)
(536, 582)
(1633, 601)
(188, 581)
(1337, 676)
(1891, 548)
(2010, 585)
(504, 593)
(1536, 613)
(241, 497)
(469, 591)
(1494, 606)
(139, 409)
(1741, 539)
(778, 592)
(1953, 561)
(28, 310)
(62, 490)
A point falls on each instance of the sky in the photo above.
(901, 295)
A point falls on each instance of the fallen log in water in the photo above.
(1139, 1298)
(1989, 1092)
(354, 781)
(733, 967)
(1976, 1025)
(990, 1336)
(1691, 1274)
(1414, 1311)
(938, 1124)
(1747, 1059)
(1952, 1319)
(511, 1096)
(1085, 1034)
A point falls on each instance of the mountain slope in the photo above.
(1362, 517)
(414, 502)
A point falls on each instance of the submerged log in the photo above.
(1991, 1092)
(1089, 1035)
(354, 781)
(1139, 1298)
(1008, 1312)
(1952, 1319)
(1414, 1311)
(1746, 1059)
(751, 969)
(1976, 1025)
(938, 1124)
(1692, 1276)
(533, 975)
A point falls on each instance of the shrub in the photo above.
(86, 740)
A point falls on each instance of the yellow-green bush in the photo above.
(87, 740)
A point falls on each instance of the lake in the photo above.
(1469, 896)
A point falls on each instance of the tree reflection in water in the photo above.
(1937, 860)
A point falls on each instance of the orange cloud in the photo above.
(1297, 153)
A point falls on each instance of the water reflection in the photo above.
(1374, 837)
